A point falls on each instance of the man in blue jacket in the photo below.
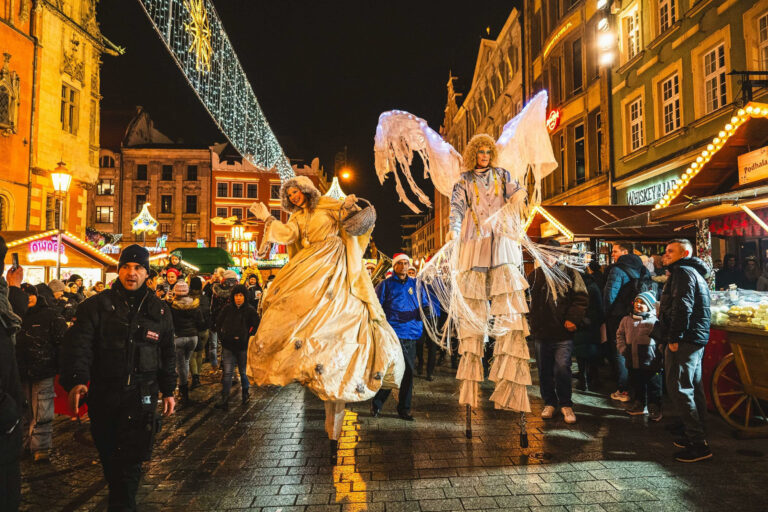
(398, 297)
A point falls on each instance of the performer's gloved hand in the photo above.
(451, 236)
(349, 201)
(259, 210)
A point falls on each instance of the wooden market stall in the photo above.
(37, 255)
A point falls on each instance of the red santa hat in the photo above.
(399, 256)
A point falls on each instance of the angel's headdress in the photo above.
(307, 188)
(481, 140)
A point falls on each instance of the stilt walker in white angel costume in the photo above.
(477, 275)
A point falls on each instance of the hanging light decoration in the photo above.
(144, 223)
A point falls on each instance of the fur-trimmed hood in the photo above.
(185, 303)
(307, 188)
(469, 158)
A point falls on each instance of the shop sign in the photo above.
(553, 120)
(753, 166)
(649, 194)
(45, 250)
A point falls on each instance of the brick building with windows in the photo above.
(237, 183)
(561, 42)
(671, 89)
(144, 165)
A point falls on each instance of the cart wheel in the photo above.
(738, 408)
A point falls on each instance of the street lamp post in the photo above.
(61, 180)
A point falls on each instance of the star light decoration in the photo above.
(218, 79)
(144, 223)
(199, 31)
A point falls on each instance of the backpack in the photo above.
(622, 306)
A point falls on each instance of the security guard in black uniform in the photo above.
(122, 343)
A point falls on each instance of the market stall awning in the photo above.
(588, 222)
(207, 259)
(21, 240)
(716, 169)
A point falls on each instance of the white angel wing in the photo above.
(524, 144)
(399, 135)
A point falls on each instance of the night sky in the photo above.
(323, 71)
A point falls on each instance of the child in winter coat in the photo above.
(643, 359)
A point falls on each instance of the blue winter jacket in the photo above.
(399, 300)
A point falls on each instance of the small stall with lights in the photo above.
(39, 252)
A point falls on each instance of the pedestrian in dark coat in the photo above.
(553, 325)
(64, 307)
(236, 322)
(587, 339)
(37, 346)
(187, 322)
(13, 305)
(196, 362)
(122, 343)
(683, 327)
(222, 295)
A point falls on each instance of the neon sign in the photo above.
(40, 250)
(553, 120)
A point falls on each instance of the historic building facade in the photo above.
(495, 96)
(236, 183)
(423, 239)
(149, 167)
(672, 92)
(562, 57)
(51, 73)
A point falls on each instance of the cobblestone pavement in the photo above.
(272, 455)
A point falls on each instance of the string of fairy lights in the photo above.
(195, 37)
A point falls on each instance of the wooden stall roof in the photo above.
(585, 222)
(19, 238)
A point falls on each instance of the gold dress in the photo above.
(322, 325)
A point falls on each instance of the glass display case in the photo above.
(739, 308)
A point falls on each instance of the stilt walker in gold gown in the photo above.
(322, 325)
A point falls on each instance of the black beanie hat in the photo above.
(134, 254)
(195, 284)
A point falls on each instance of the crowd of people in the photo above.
(647, 317)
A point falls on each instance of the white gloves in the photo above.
(259, 210)
(349, 201)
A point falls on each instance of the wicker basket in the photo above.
(360, 222)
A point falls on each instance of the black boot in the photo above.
(223, 404)
(195, 382)
(245, 396)
(184, 392)
(334, 452)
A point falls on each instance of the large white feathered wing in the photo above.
(398, 136)
(524, 144)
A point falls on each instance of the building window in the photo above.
(166, 204)
(636, 138)
(167, 173)
(191, 173)
(274, 192)
(237, 212)
(632, 33)
(562, 161)
(763, 41)
(191, 206)
(105, 187)
(190, 232)
(222, 211)
(141, 172)
(599, 132)
(140, 200)
(4, 213)
(107, 162)
(52, 212)
(69, 109)
(237, 190)
(222, 189)
(667, 14)
(670, 103)
(578, 149)
(221, 242)
(104, 214)
(165, 228)
(275, 213)
(577, 76)
(252, 190)
(714, 78)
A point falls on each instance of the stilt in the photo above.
(468, 432)
(523, 431)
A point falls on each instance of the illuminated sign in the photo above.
(41, 250)
(553, 120)
(560, 33)
(650, 193)
(753, 166)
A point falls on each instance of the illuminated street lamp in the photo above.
(144, 224)
(61, 180)
(346, 174)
